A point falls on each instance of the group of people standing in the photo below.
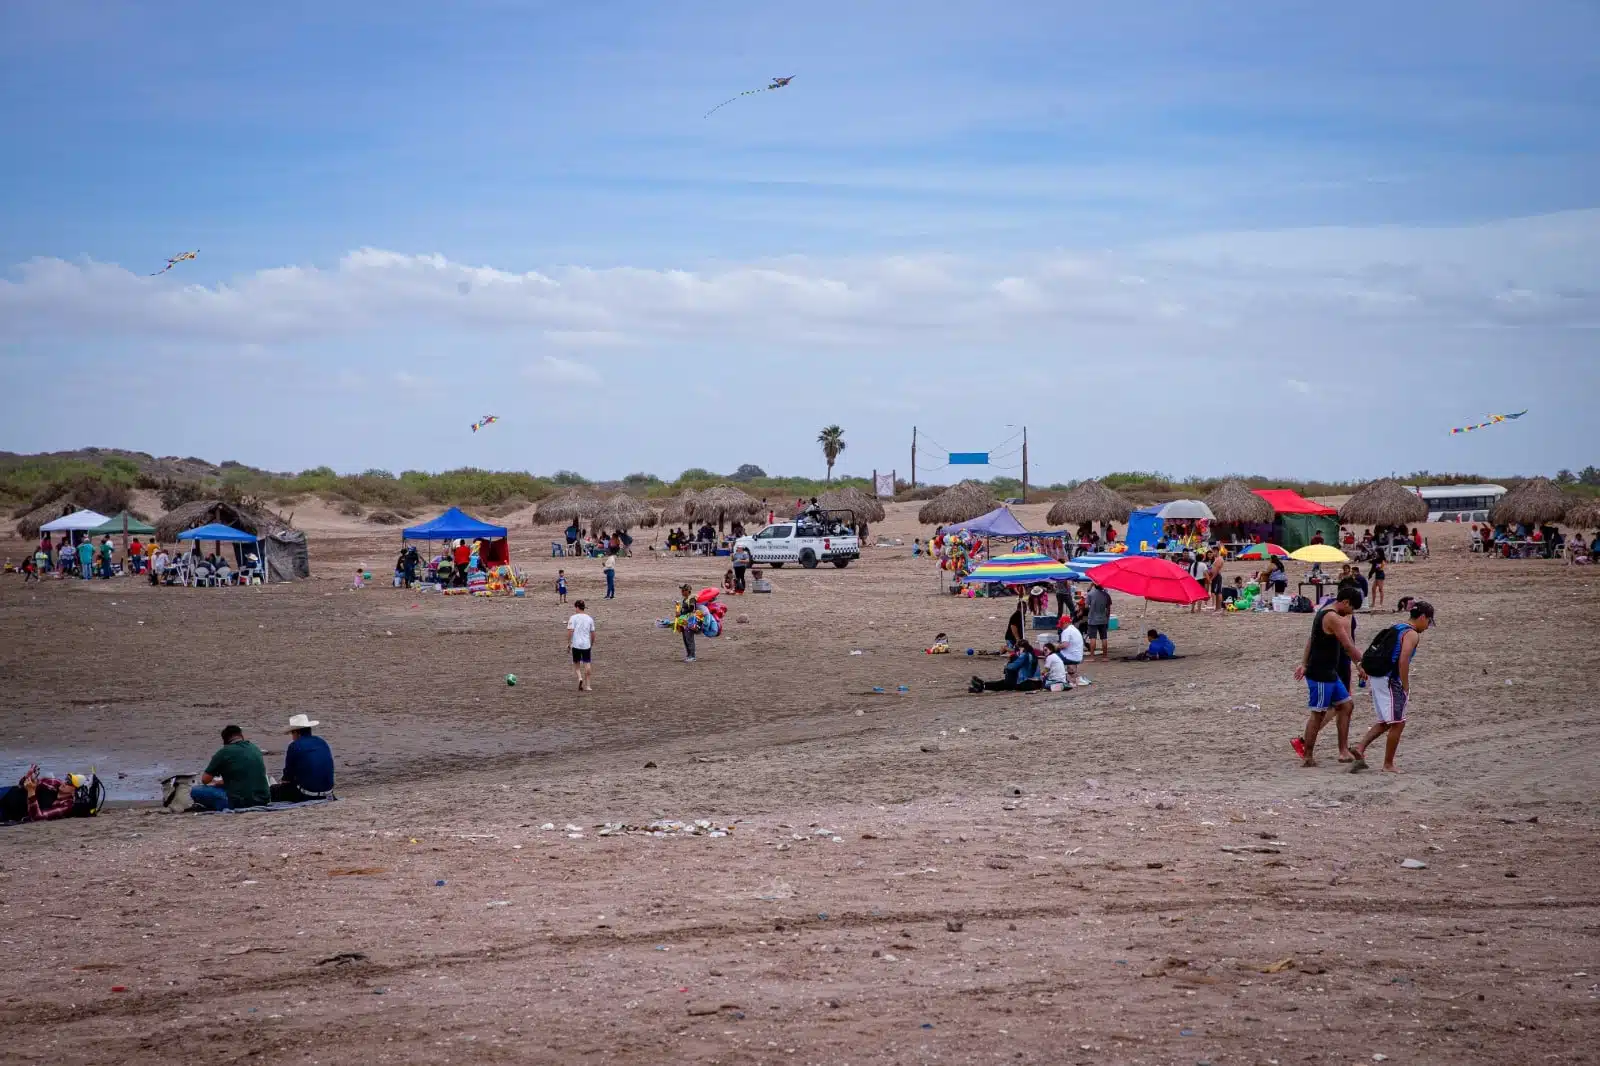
(84, 559)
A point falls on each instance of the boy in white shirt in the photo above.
(581, 626)
(1071, 649)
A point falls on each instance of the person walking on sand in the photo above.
(581, 626)
(1099, 621)
(1198, 569)
(609, 565)
(1319, 668)
(685, 610)
(1375, 575)
(1391, 689)
(561, 586)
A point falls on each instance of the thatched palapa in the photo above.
(1090, 502)
(28, 525)
(1584, 516)
(726, 503)
(1534, 502)
(1232, 501)
(849, 498)
(284, 549)
(624, 512)
(680, 508)
(1384, 502)
(969, 499)
(574, 505)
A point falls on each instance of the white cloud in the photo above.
(1302, 387)
(1536, 271)
(564, 373)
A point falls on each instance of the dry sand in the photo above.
(1135, 872)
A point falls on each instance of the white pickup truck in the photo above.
(808, 540)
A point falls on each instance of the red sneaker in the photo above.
(1299, 746)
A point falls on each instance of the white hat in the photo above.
(300, 721)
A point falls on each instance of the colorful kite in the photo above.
(486, 420)
(777, 83)
(1494, 420)
(175, 260)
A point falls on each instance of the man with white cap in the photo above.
(307, 765)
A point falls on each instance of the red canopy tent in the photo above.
(1299, 519)
(1288, 501)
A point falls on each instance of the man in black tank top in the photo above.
(1330, 641)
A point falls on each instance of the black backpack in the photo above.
(1379, 658)
(1300, 605)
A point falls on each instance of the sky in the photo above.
(1294, 239)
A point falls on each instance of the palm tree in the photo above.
(832, 440)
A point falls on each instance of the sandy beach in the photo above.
(1138, 871)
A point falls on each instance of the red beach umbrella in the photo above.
(1147, 576)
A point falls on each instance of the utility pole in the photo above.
(913, 456)
(1024, 464)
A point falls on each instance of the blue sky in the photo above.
(1289, 238)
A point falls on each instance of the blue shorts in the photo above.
(1325, 695)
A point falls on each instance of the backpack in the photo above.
(1300, 605)
(1381, 654)
(89, 797)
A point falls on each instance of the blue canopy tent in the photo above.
(1144, 527)
(454, 524)
(222, 534)
(999, 522)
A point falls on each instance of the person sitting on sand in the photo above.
(1020, 673)
(1161, 646)
(727, 580)
(1055, 670)
(1014, 633)
(307, 765)
(235, 777)
(1070, 646)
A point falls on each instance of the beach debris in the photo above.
(119, 988)
(248, 948)
(1246, 707)
(357, 871)
(858, 651)
(1413, 864)
(440, 883)
(651, 765)
(951, 925)
(930, 749)
(671, 827)
(1259, 849)
(344, 958)
(498, 903)
(511, 680)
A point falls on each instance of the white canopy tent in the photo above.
(76, 522)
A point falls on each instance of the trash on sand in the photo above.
(1413, 864)
(548, 827)
(951, 925)
(1271, 967)
(498, 903)
(1235, 849)
(1247, 706)
(119, 988)
(344, 958)
(439, 883)
(667, 827)
(857, 651)
(511, 680)
(358, 871)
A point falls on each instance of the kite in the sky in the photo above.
(1494, 420)
(486, 420)
(777, 83)
(175, 260)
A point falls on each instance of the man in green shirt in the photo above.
(235, 777)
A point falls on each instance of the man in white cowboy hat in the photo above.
(307, 765)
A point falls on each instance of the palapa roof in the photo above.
(624, 512)
(564, 507)
(680, 508)
(1232, 501)
(850, 498)
(1384, 502)
(28, 525)
(725, 501)
(198, 513)
(1090, 502)
(1533, 502)
(1585, 515)
(969, 499)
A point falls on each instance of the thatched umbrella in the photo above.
(624, 512)
(28, 525)
(1584, 516)
(680, 508)
(1534, 502)
(849, 498)
(1232, 501)
(724, 502)
(958, 503)
(1090, 502)
(1384, 502)
(570, 506)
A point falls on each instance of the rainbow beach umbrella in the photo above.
(1261, 551)
(1020, 568)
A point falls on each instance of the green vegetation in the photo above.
(104, 479)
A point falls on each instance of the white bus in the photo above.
(1459, 503)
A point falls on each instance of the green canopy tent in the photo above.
(116, 527)
(1298, 519)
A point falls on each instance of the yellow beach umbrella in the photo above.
(1320, 553)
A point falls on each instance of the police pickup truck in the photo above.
(812, 537)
